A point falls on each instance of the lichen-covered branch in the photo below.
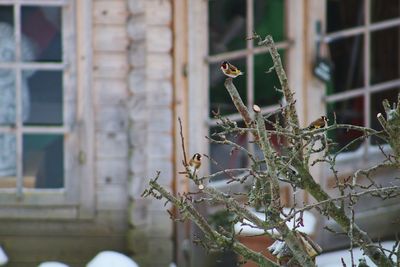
(360, 237)
(241, 211)
(274, 209)
(269, 156)
(289, 164)
(288, 94)
(240, 106)
(290, 113)
(187, 210)
(392, 126)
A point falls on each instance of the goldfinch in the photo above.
(318, 123)
(229, 70)
(194, 163)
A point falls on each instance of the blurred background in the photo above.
(90, 94)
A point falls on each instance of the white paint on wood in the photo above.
(314, 89)
(112, 197)
(111, 119)
(110, 92)
(112, 171)
(198, 77)
(110, 12)
(38, 213)
(106, 223)
(296, 65)
(111, 145)
(110, 65)
(85, 109)
(159, 66)
(159, 39)
(108, 38)
(158, 12)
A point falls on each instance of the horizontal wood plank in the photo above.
(110, 92)
(111, 119)
(110, 38)
(110, 65)
(106, 223)
(110, 12)
(112, 171)
(112, 145)
(13, 212)
(112, 197)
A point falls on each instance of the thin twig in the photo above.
(183, 142)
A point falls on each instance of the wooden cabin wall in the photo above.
(29, 241)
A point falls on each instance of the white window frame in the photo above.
(309, 91)
(367, 153)
(248, 53)
(76, 198)
(199, 61)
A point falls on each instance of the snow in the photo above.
(332, 259)
(111, 258)
(3, 257)
(249, 229)
(52, 264)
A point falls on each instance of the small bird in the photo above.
(229, 70)
(318, 123)
(194, 163)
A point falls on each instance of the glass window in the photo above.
(364, 51)
(32, 75)
(230, 23)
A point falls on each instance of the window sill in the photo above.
(40, 213)
(36, 197)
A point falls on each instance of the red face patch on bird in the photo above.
(224, 65)
(197, 156)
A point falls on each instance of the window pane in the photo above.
(376, 107)
(347, 57)
(269, 18)
(43, 163)
(265, 83)
(227, 25)
(8, 161)
(383, 10)
(42, 26)
(344, 14)
(46, 97)
(8, 97)
(225, 156)
(385, 55)
(7, 44)
(219, 97)
(347, 112)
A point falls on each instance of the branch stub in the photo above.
(256, 108)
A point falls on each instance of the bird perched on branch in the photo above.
(194, 163)
(229, 70)
(321, 122)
